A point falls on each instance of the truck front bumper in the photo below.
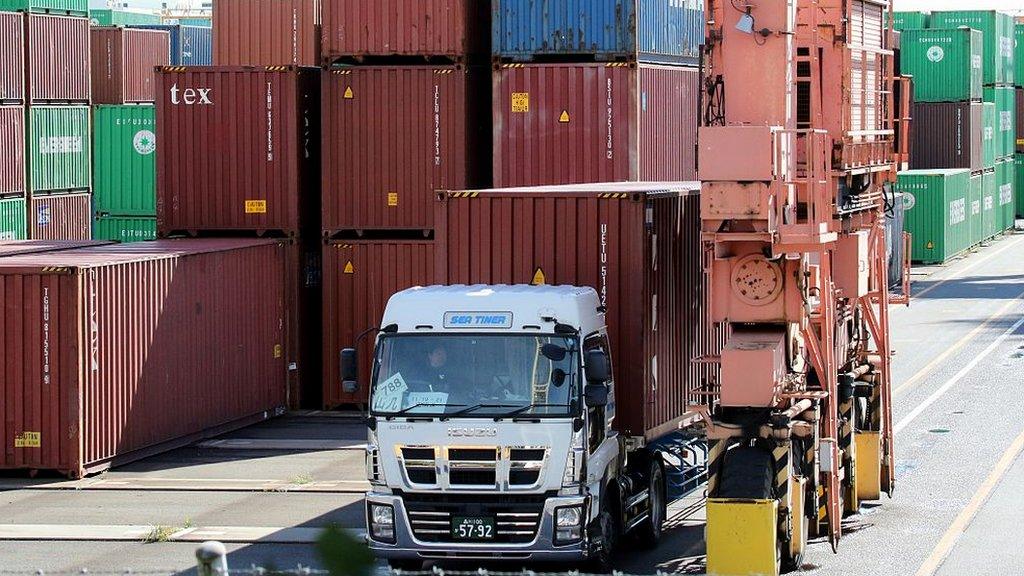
(542, 548)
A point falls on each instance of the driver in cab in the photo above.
(436, 373)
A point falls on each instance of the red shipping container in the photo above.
(60, 217)
(124, 62)
(393, 136)
(12, 143)
(638, 245)
(359, 279)
(114, 353)
(20, 247)
(238, 149)
(266, 33)
(580, 123)
(58, 58)
(12, 58)
(457, 30)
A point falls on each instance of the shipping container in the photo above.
(1019, 115)
(124, 62)
(79, 323)
(1006, 207)
(936, 203)
(124, 228)
(13, 219)
(124, 162)
(190, 45)
(974, 208)
(21, 247)
(948, 135)
(393, 136)
(266, 33)
(239, 150)
(57, 59)
(1018, 54)
(989, 214)
(12, 58)
(997, 29)
(909, 20)
(946, 63)
(648, 30)
(12, 159)
(581, 123)
(989, 142)
(1018, 191)
(359, 278)
(60, 217)
(636, 245)
(108, 17)
(454, 30)
(60, 149)
(1005, 100)
(73, 7)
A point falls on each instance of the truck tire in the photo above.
(608, 531)
(746, 473)
(649, 532)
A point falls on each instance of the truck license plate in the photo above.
(472, 528)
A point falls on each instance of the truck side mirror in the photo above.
(349, 370)
(596, 395)
(598, 371)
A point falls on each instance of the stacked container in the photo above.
(190, 45)
(111, 17)
(266, 33)
(1018, 78)
(595, 91)
(406, 112)
(938, 213)
(13, 185)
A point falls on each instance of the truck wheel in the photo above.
(746, 473)
(793, 563)
(608, 531)
(405, 565)
(649, 532)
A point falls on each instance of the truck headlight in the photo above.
(568, 524)
(382, 522)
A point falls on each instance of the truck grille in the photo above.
(474, 467)
(516, 519)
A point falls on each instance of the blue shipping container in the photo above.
(643, 30)
(190, 45)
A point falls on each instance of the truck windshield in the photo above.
(474, 376)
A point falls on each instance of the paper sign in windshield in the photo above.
(389, 394)
(435, 400)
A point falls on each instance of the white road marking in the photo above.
(282, 444)
(137, 533)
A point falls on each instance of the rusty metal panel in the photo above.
(238, 149)
(266, 33)
(637, 245)
(60, 217)
(116, 352)
(124, 62)
(393, 136)
(581, 123)
(12, 142)
(454, 29)
(12, 61)
(948, 135)
(19, 247)
(57, 58)
(359, 279)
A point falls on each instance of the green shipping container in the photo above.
(997, 29)
(124, 161)
(988, 133)
(59, 148)
(945, 64)
(107, 17)
(936, 213)
(974, 202)
(120, 229)
(1005, 99)
(75, 7)
(12, 219)
(1018, 55)
(1018, 191)
(909, 20)
(989, 214)
(1006, 207)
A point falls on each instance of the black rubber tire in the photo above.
(648, 534)
(746, 473)
(792, 564)
(406, 565)
(603, 561)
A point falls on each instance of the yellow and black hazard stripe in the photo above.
(617, 65)
(55, 269)
(277, 68)
(716, 454)
(513, 65)
(613, 195)
(341, 72)
(463, 194)
(443, 70)
(174, 68)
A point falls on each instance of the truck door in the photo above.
(601, 442)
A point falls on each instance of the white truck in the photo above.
(491, 431)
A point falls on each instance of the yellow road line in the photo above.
(1013, 242)
(963, 520)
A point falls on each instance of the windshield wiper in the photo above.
(523, 409)
(471, 409)
(405, 411)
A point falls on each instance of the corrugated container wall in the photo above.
(640, 249)
(124, 228)
(57, 59)
(1019, 115)
(59, 149)
(909, 20)
(123, 64)
(13, 219)
(239, 150)
(266, 33)
(937, 213)
(109, 17)
(21, 247)
(124, 163)
(359, 279)
(648, 30)
(1004, 98)
(74, 7)
(12, 61)
(974, 208)
(990, 196)
(1018, 54)
(946, 64)
(997, 29)
(580, 123)
(393, 136)
(1005, 202)
(1018, 190)
(989, 142)
(190, 45)
(12, 142)
(948, 135)
(458, 30)
(185, 307)
(60, 217)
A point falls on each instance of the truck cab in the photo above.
(491, 430)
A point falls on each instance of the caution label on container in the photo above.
(392, 199)
(349, 94)
(255, 206)
(349, 268)
(28, 440)
(520, 102)
(278, 351)
(538, 278)
(564, 118)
